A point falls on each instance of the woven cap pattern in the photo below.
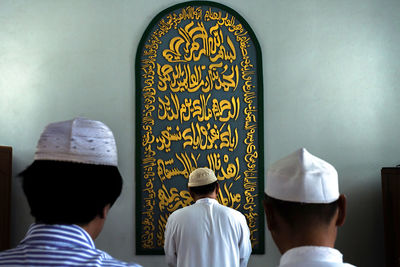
(78, 140)
(201, 176)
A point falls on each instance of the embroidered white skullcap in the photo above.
(79, 140)
(302, 177)
(201, 176)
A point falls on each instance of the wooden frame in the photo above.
(5, 195)
(391, 212)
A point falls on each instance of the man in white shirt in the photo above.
(206, 233)
(304, 209)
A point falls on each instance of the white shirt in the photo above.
(312, 256)
(207, 234)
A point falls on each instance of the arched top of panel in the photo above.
(170, 9)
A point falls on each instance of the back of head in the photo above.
(202, 182)
(68, 192)
(74, 175)
(303, 190)
(303, 216)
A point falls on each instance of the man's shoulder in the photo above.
(181, 212)
(20, 255)
(109, 261)
(13, 255)
(317, 264)
(117, 263)
(7, 253)
(313, 256)
(192, 210)
(230, 211)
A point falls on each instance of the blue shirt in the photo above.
(57, 245)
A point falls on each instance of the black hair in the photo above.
(69, 193)
(298, 214)
(204, 189)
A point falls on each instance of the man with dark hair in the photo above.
(304, 209)
(70, 187)
(206, 233)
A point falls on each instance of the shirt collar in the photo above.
(206, 200)
(58, 235)
(314, 253)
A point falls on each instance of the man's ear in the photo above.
(342, 206)
(105, 211)
(270, 216)
(217, 188)
(191, 193)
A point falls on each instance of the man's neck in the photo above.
(312, 237)
(213, 196)
(94, 227)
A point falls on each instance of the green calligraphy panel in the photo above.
(199, 103)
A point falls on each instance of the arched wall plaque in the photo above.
(199, 103)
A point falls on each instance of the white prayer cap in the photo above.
(302, 177)
(79, 140)
(201, 176)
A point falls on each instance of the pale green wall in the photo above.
(331, 81)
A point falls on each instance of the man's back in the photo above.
(207, 234)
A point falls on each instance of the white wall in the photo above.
(331, 83)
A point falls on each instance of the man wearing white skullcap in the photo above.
(206, 233)
(70, 187)
(304, 209)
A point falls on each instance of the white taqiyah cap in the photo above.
(201, 176)
(302, 177)
(79, 140)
